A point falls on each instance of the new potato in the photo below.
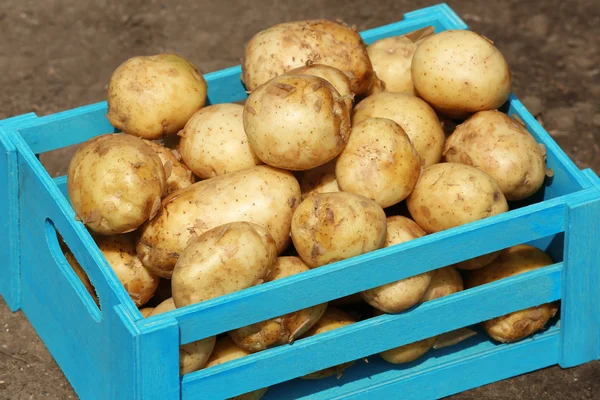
(336, 77)
(319, 180)
(444, 282)
(178, 175)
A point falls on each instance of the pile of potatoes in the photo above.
(340, 149)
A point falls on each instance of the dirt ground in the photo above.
(56, 55)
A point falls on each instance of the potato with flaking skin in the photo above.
(444, 282)
(460, 72)
(289, 45)
(500, 146)
(336, 77)
(192, 356)
(333, 318)
(178, 175)
(319, 180)
(213, 142)
(296, 122)
(398, 296)
(226, 350)
(452, 194)
(520, 324)
(263, 195)
(329, 227)
(379, 162)
(416, 117)
(286, 328)
(115, 183)
(154, 96)
(223, 260)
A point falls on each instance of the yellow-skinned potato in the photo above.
(154, 96)
(398, 296)
(333, 318)
(336, 77)
(319, 180)
(452, 194)
(177, 174)
(119, 251)
(379, 162)
(376, 86)
(415, 116)
(521, 324)
(226, 350)
(296, 122)
(223, 260)
(192, 356)
(146, 311)
(282, 330)
(264, 195)
(290, 45)
(460, 72)
(329, 227)
(477, 262)
(444, 282)
(115, 183)
(213, 142)
(82, 275)
(500, 146)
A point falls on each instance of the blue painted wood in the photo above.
(356, 341)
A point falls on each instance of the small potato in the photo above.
(296, 122)
(478, 262)
(452, 194)
(333, 318)
(119, 251)
(336, 77)
(178, 175)
(460, 72)
(377, 86)
(520, 324)
(329, 227)
(192, 356)
(146, 311)
(319, 180)
(415, 116)
(444, 282)
(154, 96)
(115, 183)
(82, 275)
(223, 260)
(409, 352)
(289, 45)
(213, 142)
(398, 296)
(226, 350)
(379, 162)
(285, 329)
(500, 146)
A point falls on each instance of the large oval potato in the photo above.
(192, 356)
(115, 183)
(223, 260)
(178, 175)
(415, 116)
(296, 122)
(333, 75)
(285, 329)
(319, 180)
(264, 195)
(290, 45)
(154, 96)
(500, 146)
(213, 142)
(520, 324)
(398, 296)
(379, 162)
(329, 227)
(460, 72)
(452, 194)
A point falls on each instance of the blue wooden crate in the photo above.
(111, 352)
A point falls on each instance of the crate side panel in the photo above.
(442, 12)
(354, 342)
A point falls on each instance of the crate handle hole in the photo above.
(73, 270)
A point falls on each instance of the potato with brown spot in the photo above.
(319, 180)
(154, 96)
(213, 142)
(400, 295)
(263, 195)
(296, 122)
(177, 173)
(289, 45)
(453, 194)
(329, 227)
(286, 328)
(416, 117)
(500, 146)
(333, 75)
(521, 324)
(223, 260)
(379, 162)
